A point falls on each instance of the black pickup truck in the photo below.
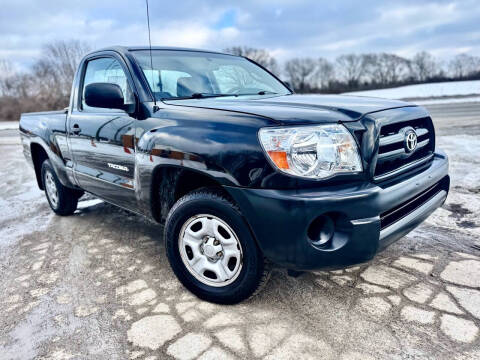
(242, 172)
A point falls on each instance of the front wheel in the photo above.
(211, 250)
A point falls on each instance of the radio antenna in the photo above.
(151, 58)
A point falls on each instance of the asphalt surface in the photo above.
(97, 285)
(456, 118)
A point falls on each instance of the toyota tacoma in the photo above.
(242, 172)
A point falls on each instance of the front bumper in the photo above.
(279, 219)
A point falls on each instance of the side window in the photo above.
(106, 70)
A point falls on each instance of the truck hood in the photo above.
(296, 109)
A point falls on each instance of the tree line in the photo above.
(352, 72)
(46, 84)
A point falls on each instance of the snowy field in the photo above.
(428, 91)
(8, 125)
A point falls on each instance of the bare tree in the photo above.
(6, 74)
(463, 65)
(397, 67)
(15, 92)
(260, 56)
(370, 65)
(301, 73)
(351, 67)
(386, 69)
(325, 73)
(55, 69)
(13, 83)
(423, 66)
(6, 68)
(47, 86)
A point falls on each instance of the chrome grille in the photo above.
(393, 155)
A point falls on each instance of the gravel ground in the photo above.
(97, 284)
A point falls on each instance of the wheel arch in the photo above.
(39, 155)
(170, 183)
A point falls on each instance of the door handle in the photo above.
(76, 129)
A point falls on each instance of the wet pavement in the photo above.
(97, 285)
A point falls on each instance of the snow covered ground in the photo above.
(431, 90)
(8, 125)
(449, 100)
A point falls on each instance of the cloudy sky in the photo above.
(287, 28)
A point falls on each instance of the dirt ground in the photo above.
(97, 285)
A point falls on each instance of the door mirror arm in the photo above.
(130, 109)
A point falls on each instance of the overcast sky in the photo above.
(286, 28)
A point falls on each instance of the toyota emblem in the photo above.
(410, 141)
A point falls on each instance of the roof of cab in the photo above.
(126, 49)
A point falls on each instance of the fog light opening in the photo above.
(321, 230)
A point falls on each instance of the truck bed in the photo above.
(35, 123)
(46, 128)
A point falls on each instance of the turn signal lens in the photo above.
(279, 158)
(311, 151)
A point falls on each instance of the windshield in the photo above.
(186, 74)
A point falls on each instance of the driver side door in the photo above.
(102, 140)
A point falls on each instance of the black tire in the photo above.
(66, 198)
(254, 272)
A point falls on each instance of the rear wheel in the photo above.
(211, 249)
(62, 200)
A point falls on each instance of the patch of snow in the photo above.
(451, 88)
(84, 204)
(9, 125)
(472, 99)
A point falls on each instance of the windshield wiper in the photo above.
(265, 92)
(212, 95)
(261, 92)
(199, 96)
(204, 95)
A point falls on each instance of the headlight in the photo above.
(313, 152)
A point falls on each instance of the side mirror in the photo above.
(288, 84)
(104, 95)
